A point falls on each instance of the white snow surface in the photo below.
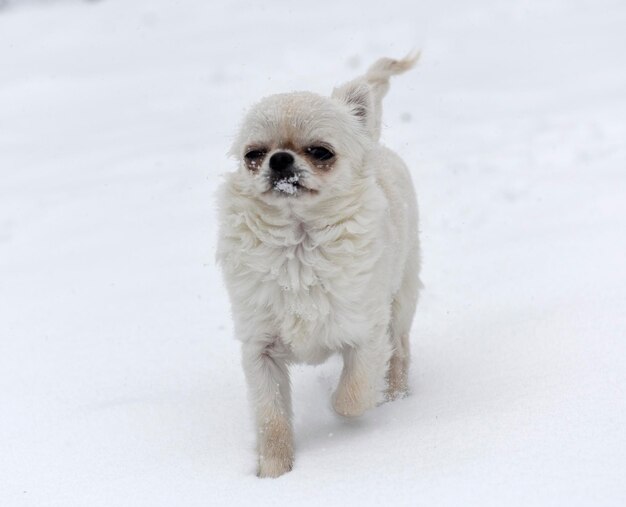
(120, 379)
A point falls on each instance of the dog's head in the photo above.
(302, 146)
(299, 147)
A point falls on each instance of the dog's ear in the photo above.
(357, 95)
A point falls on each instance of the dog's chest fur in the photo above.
(317, 287)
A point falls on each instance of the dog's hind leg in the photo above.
(266, 367)
(402, 312)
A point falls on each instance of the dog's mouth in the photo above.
(289, 186)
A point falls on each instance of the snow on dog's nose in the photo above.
(283, 173)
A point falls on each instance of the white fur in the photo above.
(330, 270)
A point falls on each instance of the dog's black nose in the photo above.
(281, 163)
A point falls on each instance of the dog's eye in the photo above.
(254, 155)
(320, 153)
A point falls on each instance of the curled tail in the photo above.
(365, 94)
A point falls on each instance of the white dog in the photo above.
(320, 253)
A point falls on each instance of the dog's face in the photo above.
(300, 146)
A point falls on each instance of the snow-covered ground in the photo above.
(120, 382)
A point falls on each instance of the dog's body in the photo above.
(319, 248)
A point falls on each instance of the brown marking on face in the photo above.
(307, 153)
(302, 151)
(287, 144)
(254, 155)
(319, 166)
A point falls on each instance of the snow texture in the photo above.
(120, 378)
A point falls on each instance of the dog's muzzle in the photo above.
(284, 176)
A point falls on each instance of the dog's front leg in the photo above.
(266, 368)
(363, 374)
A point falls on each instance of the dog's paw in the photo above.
(274, 466)
(347, 408)
(397, 380)
(396, 393)
(276, 449)
(351, 402)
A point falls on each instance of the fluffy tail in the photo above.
(365, 94)
(377, 76)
